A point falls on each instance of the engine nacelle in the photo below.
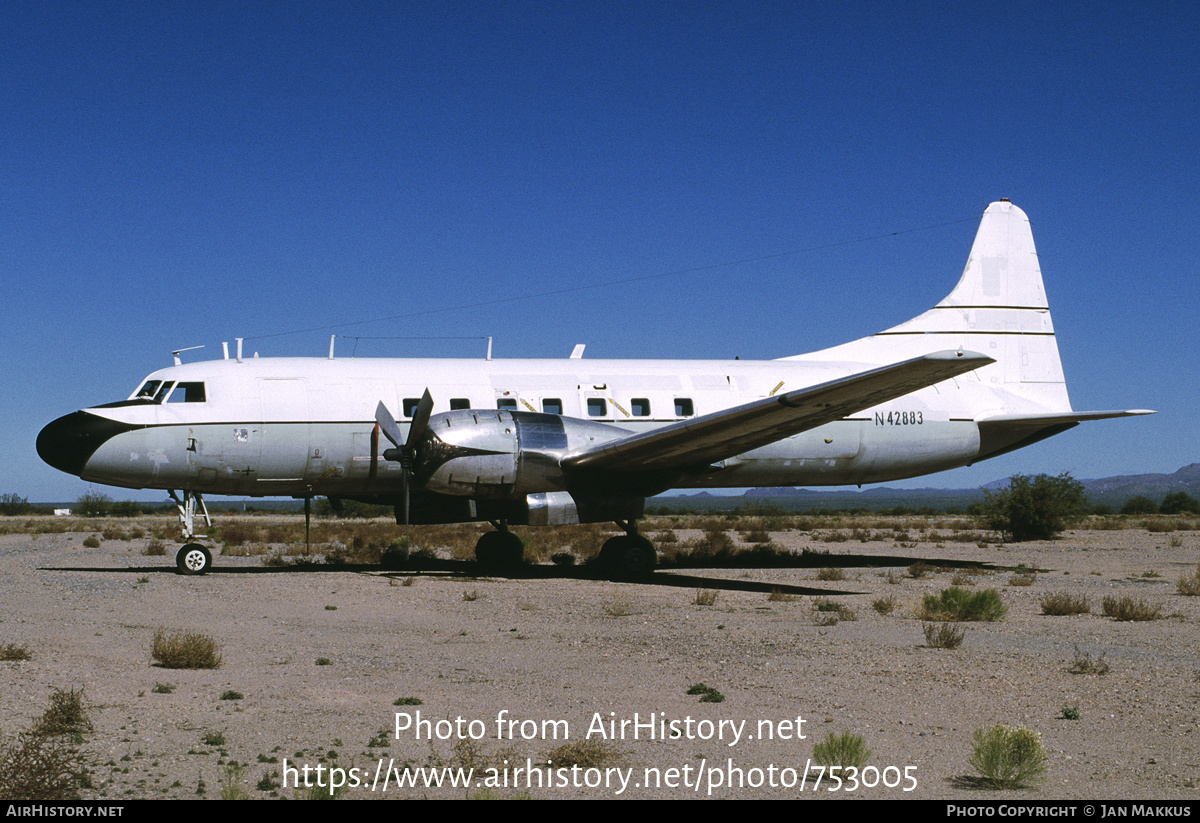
(501, 454)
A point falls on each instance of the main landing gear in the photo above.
(193, 558)
(499, 549)
(628, 556)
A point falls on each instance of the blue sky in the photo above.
(177, 174)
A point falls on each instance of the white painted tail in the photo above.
(998, 308)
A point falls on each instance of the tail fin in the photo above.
(998, 308)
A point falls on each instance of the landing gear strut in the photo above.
(628, 556)
(193, 558)
(501, 548)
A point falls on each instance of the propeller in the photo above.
(403, 453)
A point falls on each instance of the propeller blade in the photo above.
(387, 424)
(420, 421)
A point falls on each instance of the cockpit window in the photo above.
(159, 391)
(148, 390)
(188, 393)
(163, 392)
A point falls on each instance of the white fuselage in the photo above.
(304, 426)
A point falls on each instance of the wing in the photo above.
(723, 434)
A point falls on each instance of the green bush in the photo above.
(1179, 503)
(1008, 758)
(843, 751)
(93, 505)
(955, 604)
(1139, 505)
(1034, 508)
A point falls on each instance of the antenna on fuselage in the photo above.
(489, 354)
(176, 353)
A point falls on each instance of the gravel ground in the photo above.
(319, 657)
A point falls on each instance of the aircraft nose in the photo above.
(68, 442)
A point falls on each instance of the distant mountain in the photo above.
(1154, 486)
(1111, 491)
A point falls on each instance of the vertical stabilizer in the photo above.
(998, 308)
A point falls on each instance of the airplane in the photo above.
(565, 441)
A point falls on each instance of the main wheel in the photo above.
(499, 550)
(193, 559)
(628, 557)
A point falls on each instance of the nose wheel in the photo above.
(193, 559)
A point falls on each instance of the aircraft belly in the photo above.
(884, 453)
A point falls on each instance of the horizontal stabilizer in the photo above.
(1004, 433)
(720, 435)
(1056, 418)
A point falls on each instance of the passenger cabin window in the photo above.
(188, 393)
(552, 405)
(683, 407)
(597, 407)
(457, 403)
(640, 407)
(506, 403)
(410, 405)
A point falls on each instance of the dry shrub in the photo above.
(155, 548)
(962, 579)
(1022, 579)
(1084, 664)
(831, 573)
(1061, 603)
(918, 570)
(1126, 608)
(778, 596)
(66, 714)
(943, 635)
(185, 650)
(885, 605)
(826, 609)
(35, 768)
(237, 532)
(705, 597)
(586, 754)
(1189, 586)
(13, 651)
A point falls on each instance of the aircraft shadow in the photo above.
(676, 577)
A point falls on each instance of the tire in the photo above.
(500, 550)
(193, 559)
(628, 557)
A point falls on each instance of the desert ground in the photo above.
(373, 670)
